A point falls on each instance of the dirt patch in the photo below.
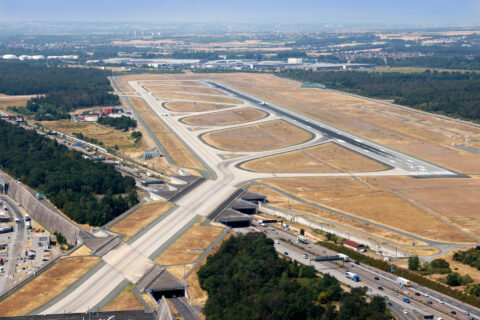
(227, 117)
(125, 300)
(141, 218)
(177, 151)
(196, 97)
(259, 137)
(190, 245)
(328, 157)
(47, 286)
(82, 251)
(372, 203)
(187, 106)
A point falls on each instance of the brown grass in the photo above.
(18, 101)
(259, 137)
(125, 300)
(189, 96)
(141, 218)
(190, 245)
(109, 136)
(177, 151)
(46, 286)
(456, 200)
(372, 203)
(328, 157)
(186, 106)
(227, 117)
(279, 200)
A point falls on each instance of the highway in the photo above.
(13, 251)
(419, 303)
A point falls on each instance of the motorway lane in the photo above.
(387, 281)
(14, 251)
(383, 154)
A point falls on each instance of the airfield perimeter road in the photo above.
(204, 199)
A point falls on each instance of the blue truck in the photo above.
(352, 276)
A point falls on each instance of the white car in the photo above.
(405, 311)
(277, 241)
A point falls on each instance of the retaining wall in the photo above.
(386, 250)
(47, 216)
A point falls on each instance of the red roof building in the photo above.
(354, 245)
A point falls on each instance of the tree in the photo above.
(413, 263)
(454, 279)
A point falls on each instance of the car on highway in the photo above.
(441, 301)
(305, 256)
(389, 304)
(380, 288)
(417, 294)
(395, 293)
(376, 278)
(429, 302)
(277, 241)
(285, 253)
(405, 311)
(453, 312)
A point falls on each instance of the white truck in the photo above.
(404, 282)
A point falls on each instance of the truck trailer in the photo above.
(352, 276)
(404, 282)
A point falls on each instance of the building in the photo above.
(4, 216)
(354, 245)
(41, 242)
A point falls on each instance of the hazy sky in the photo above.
(416, 12)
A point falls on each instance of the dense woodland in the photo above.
(451, 93)
(246, 279)
(123, 123)
(86, 191)
(61, 89)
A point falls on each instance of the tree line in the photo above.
(59, 89)
(246, 279)
(123, 123)
(450, 93)
(86, 191)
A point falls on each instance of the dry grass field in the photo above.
(194, 97)
(227, 117)
(109, 136)
(46, 286)
(187, 106)
(328, 157)
(141, 218)
(461, 268)
(125, 300)
(424, 136)
(456, 200)
(279, 200)
(259, 137)
(18, 101)
(370, 202)
(189, 246)
(177, 151)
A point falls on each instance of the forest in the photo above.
(86, 191)
(60, 89)
(123, 123)
(453, 94)
(246, 279)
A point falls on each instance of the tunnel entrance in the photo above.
(168, 293)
